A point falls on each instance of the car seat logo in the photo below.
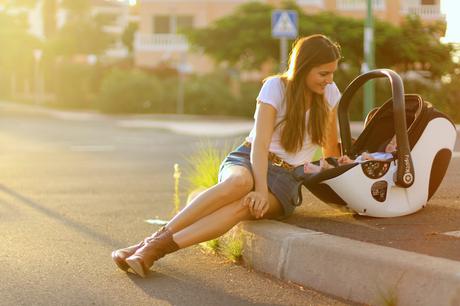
(407, 177)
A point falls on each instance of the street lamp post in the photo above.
(38, 84)
(182, 70)
(368, 60)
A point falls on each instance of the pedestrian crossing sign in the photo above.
(284, 24)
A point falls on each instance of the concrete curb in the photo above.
(182, 124)
(353, 270)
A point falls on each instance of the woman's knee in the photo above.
(238, 184)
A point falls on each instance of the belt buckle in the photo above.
(279, 163)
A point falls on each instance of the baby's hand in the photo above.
(344, 160)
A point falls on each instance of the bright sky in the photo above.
(452, 10)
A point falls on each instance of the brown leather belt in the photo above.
(274, 159)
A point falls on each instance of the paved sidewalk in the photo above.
(398, 261)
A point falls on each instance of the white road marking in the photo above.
(75, 116)
(92, 148)
(203, 128)
(455, 234)
(156, 221)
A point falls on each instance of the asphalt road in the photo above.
(73, 190)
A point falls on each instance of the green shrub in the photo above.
(246, 104)
(129, 92)
(73, 85)
(208, 94)
(170, 86)
(211, 95)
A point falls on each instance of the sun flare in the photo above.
(452, 10)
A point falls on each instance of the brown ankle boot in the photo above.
(141, 261)
(119, 256)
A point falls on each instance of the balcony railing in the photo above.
(359, 5)
(318, 3)
(431, 12)
(161, 42)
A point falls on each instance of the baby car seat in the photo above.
(395, 187)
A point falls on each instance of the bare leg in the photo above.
(221, 221)
(237, 182)
(208, 227)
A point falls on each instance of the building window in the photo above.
(169, 24)
(162, 24)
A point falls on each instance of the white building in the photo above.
(158, 40)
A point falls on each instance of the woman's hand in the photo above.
(257, 202)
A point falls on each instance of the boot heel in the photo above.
(119, 261)
(119, 256)
(137, 265)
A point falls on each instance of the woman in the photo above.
(295, 115)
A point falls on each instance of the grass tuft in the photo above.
(176, 176)
(202, 174)
(232, 245)
(204, 166)
(211, 246)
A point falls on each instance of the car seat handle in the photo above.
(405, 173)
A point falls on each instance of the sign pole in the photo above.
(283, 54)
(368, 65)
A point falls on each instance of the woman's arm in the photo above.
(331, 146)
(265, 123)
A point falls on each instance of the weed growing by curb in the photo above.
(176, 177)
(211, 246)
(232, 245)
(204, 166)
(203, 173)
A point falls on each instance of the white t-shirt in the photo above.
(272, 92)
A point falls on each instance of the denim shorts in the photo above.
(281, 182)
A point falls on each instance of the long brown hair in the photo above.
(308, 52)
